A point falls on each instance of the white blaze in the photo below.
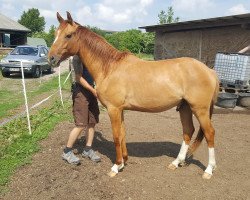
(57, 35)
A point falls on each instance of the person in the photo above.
(85, 113)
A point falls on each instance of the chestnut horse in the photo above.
(125, 82)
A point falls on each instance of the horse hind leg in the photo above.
(199, 137)
(188, 130)
(204, 118)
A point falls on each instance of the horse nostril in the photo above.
(52, 59)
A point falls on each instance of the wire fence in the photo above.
(27, 108)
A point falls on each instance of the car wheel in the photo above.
(49, 70)
(5, 74)
(36, 72)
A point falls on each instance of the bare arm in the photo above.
(85, 84)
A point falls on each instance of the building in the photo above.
(12, 34)
(201, 39)
(36, 41)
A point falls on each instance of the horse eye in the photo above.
(68, 36)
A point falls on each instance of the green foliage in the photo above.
(167, 17)
(148, 43)
(97, 30)
(32, 20)
(48, 37)
(145, 56)
(132, 40)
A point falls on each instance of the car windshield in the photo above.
(31, 51)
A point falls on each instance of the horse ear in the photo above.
(59, 18)
(69, 18)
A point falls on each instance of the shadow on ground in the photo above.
(136, 149)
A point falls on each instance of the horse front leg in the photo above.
(124, 146)
(115, 115)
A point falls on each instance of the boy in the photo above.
(85, 112)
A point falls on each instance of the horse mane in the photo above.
(100, 48)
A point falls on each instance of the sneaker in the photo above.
(71, 158)
(91, 155)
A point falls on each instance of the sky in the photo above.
(122, 15)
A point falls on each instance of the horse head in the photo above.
(65, 43)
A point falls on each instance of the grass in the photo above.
(6, 104)
(10, 99)
(145, 56)
(17, 146)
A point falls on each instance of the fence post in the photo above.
(25, 97)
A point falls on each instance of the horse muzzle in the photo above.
(54, 61)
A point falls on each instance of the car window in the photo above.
(42, 51)
(45, 51)
(32, 51)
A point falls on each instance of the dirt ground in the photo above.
(153, 141)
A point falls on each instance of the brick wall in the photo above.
(201, 44)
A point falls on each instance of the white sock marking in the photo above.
(116, 167)
(182, 154)
(211, 161)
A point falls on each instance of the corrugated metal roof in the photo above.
(36, 41)
(11, 25)
(202, 23)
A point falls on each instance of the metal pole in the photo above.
(60, 88)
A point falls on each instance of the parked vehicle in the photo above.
(34, 61)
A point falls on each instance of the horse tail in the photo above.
(216, 91)
(196, 143)
(200, 134)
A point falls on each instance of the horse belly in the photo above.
(153, 103)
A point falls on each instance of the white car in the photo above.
(34, 61)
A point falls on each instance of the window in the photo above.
(25, 51)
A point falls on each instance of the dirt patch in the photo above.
(153, 141)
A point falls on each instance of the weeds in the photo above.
(17, 146)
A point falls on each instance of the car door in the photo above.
(44, 60)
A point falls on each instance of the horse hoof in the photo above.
(206, 176)
(172, 167)
(112, 174)
(183, 164)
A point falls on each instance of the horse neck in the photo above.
(94, 67)
(98, 56)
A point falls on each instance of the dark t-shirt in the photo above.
(86, 75)
(79, 68)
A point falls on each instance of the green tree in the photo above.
(148, 43)
(167, 17)
(97, 30)
(50, 36)
(130, 40)
(32, 20)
